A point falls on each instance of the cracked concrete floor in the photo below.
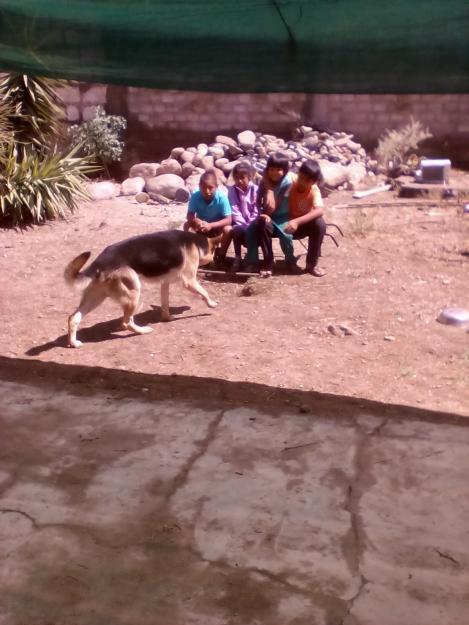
(150, 509)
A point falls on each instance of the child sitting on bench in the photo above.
(243, 199)
(305, 211)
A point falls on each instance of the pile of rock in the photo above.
(344, 162)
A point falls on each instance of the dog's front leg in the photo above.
(195, 287)
(165, 314)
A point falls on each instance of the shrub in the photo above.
(36, 187)
(36, 113)
(394, 146)
(100, 137)
(37, 182)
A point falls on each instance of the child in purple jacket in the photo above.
(242, 197)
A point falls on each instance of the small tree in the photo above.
(100, 137)
(395, 146)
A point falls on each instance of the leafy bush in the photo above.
(37, 182)
(100, 137)
(394, 146)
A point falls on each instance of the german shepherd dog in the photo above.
(162, 257)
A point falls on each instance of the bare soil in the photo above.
(399, 264)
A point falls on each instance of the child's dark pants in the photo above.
(315, 231)
(239, 238)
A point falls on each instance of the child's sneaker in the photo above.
(251, 268)
(293, 268)
(219, 259)
(237, 265)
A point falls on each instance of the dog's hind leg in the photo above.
(165, 315)
(126, 290)
(195, 287)
(92, 297)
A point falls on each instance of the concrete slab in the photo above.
(139, 501)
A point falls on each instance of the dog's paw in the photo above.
(212, 304)
(167, 318)
(75, 343)
(140, 329)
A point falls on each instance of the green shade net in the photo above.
(322, 46)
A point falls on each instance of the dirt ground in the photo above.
(399, 264)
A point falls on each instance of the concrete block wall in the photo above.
(159, 120)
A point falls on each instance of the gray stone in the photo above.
(207, 162)
(132, 186)
(187, 156)
(202, 149)
(246, 139)
(158, 198)
(166, 185)
(353, 146)
(334, 174)
(182, 195)
(176, 152)
(225, 140)
(355, 173)
(187, 169)
(105, 190)
(216, 152)
(145, 170)
(192, 182)
(221, 178)
(171, 166)
(142, 198)
(221, 162)
(234, 151)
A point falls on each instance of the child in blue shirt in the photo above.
(209, 212)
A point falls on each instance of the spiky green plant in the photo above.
(34, 187)
(6, 128)
(37, 112)
(37, 181)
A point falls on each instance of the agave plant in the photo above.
(6, 127)
(36, 110)
(36, 187)
(37, 181)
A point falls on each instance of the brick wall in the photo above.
(159, 120)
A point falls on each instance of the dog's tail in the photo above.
(72, 273)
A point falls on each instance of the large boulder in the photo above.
(145, 170)
(355, 173)
(187, 169)
(246, 139)
(176, 152)
(192, 183)
(187, 156)
(165, 185)
(207, 162)
(334, 174)
(170, 166)
(105, 190)
(132, 186)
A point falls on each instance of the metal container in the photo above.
(435, 170)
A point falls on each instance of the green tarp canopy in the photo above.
(321, 46)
